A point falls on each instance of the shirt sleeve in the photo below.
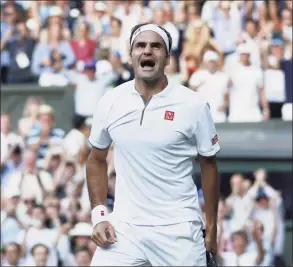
(100, 137)
(205, 135)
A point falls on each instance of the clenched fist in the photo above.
(104, 234)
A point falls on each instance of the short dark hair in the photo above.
(39, 245)
(133, 30)
(78, 121)
(14, 244)
(117, 20)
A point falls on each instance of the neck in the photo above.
(150, 88)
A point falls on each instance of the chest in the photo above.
(154, 124)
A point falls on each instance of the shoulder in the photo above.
(188, 97)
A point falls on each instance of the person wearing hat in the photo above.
(46, 136)
(248, 102)
(213, 85)
(89, 88)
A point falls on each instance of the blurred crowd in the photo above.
(237, 54)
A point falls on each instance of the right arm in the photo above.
(96, 175)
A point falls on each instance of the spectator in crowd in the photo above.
(247, 92)
(124, 71)
(213, 86)
(11, 164)
(31, 179)
(274, 85)
(225, 22)
(10, 226)
(30, 116)
(57, 243)
(12, 255)
(52, 57)
(239, 256)
(45, 136)
(56, 16)
(91, 17)
(171, 70)
(12, 138)
(11, 13)
(83, 257)
(75, 142)
(88, 88)
(20, 47)
(84, 48)
(40, 254)
(114, 41)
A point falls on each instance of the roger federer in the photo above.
(157, 128)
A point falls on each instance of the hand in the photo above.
(104, 234)
(256, 231)
(266, 115)
(46, 62)
(57, 66)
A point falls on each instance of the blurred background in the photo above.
(58, 58)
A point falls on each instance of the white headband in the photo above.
(154, 28)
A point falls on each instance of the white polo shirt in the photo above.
(154, 147)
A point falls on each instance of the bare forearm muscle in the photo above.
(96, 175)
(211, 190)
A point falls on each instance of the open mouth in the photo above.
(147, 64)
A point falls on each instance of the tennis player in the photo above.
(157, 128)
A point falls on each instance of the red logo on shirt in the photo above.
(102, 213)
(169, 115)
(214, 139)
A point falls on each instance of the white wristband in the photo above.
(99, 214)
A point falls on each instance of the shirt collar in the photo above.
(163, 93)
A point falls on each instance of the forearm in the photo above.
(260, 251)
(211, 190)
(263, 100)
(97, 181)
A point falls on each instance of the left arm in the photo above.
(207, 146)
(211, 190)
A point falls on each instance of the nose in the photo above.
(147, 49)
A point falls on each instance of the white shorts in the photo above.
(178, 244)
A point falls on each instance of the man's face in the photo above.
(239, 244)
(12, 254)
(212, 65)
(46, 121)
(83, 258)
(41, 255)
(244, 58)
(250, 28)
(149, 56)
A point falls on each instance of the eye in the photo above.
(140, 45)
(157, 46)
